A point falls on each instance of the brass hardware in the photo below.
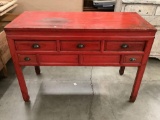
(80, 46)
(132, 59)
(27, 59)
(35, 46)
(124, 46)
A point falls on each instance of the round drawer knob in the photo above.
(35, 46)
(80, 46)
(124, 46)
(27, 59)
(132, 59)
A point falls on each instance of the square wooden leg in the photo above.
(22, 83)
(137, 83)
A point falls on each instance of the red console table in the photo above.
(80, 39)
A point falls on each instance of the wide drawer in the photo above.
(30, 59)
(100, 59)
(124, 46)
(132, 59)
(35, 45)
(80, 45)
(65, 59)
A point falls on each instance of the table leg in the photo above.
(22, 83)
(121, 70)
(37, 70)
(18, 70)
(137, 83)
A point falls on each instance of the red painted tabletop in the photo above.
(79, 21)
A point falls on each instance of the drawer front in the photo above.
(27, 58)
(141, 9)
(100, 59)
(132, 59)
(80, 46)
(124, 46)
(35, 45)
(58, 59)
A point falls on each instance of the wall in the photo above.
(118, 6)
(49, 5)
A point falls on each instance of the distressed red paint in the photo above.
(80, 39)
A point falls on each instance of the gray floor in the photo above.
(81, 93)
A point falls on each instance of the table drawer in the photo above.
(100, 59)
(27, 58)
(132, 59)
(65, 59)
(124, 46)
(36, 45)
(80, 46)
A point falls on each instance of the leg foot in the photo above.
(132, 99)
(26, 97)
(121, 70)
(37, 70)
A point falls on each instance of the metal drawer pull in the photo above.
(35, 46)
(124, 46)
(132, 59)
(80, 46)
(27, 59)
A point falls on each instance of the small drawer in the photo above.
(35, 45)
(27, 58)
(80, 46)
(100, 59)
(124, 46)
(132, 59)
(58, 59)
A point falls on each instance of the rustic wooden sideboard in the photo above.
(80, 39)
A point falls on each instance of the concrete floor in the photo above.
(81, 93)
